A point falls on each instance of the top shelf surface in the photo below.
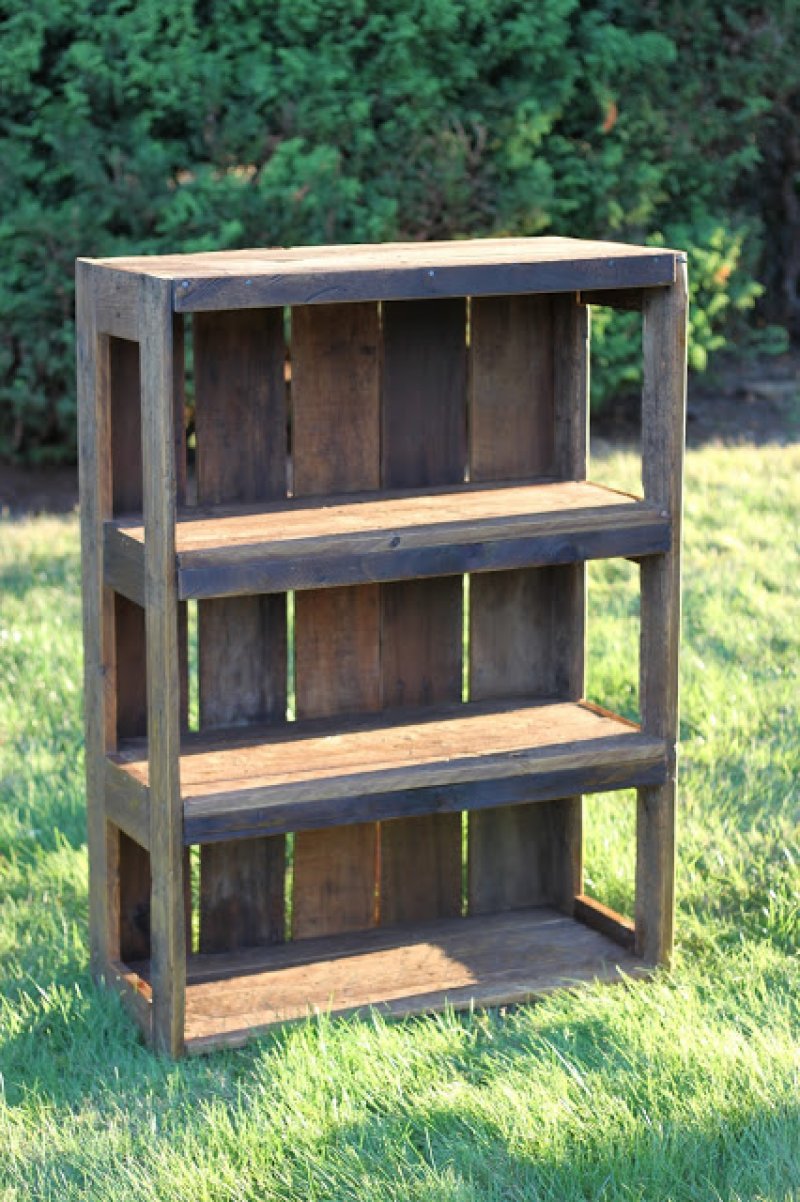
(237, 279)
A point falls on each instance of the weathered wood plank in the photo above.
(94, 463)
(217, 817)
(335, 447)
(117, 296)
(526, 627)
(128, 807)
(479, 267)
(130, 860)
(167, 918)
(241, 457)
(339, 542)
(481, 961)
(605, 920)
(663, 426)
(323, 770)
(423, 445)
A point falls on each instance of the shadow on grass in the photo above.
(74, 1046)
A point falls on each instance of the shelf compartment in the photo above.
(331, 541)
(248, 781)
(487, 960)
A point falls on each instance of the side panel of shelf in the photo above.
(424, 443)
(526, 626)
(241, 456)
(335, 448)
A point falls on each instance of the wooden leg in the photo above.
(167, 915)
(663, 426)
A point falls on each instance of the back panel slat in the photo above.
(521, 622)
(424, 443)
(241, 456)
(335, 448)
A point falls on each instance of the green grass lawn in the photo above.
(686, 1087)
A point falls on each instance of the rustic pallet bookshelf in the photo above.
(385, 538)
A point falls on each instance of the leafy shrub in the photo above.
(139, 126)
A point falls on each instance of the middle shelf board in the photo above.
(246, 781)
(327, 541)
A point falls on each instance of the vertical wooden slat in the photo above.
(424, 443)
(131, 863)
(527, 406)
(335, 448)
(94, 461)
(663, 425)
(167, 916)
(241, 456)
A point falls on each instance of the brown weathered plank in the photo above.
(605, 920)
(511, 372)
(241, 456)
(423, 444)
(663, 426)
(316, 768)
(526, 627)
(485, 961)
(167, 916)
(335, 447)
(479, 267)
(94, 461)
(127, 684)
(343, 540)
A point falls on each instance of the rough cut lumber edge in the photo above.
(663, 426)
(135, 994)
(168, 918)
(117, 302)
(214, 820)
(605, 920)
(318, 286)
(127, 804)
(94, 460)
(423, 549)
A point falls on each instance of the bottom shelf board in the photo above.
(488, 960)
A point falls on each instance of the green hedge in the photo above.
(150, 127)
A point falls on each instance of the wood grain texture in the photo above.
(485, 961)
(604, 919)
(423, 445)
(340, 540)
(663, 433)
(94, 462)
(511, 365)
(167, 918)
(477, 267)
(131, 860)
(329, 771)
(526, 627)
(336, 445)
(241, 457)
(117, 303)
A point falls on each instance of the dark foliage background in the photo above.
(143, 126)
